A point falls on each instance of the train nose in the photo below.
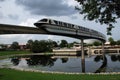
(38, 24)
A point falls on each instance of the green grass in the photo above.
(3, 53)
(9, 74)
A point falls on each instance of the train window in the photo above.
(50, 22)
(72, 26)
(81, 28)
(60, 23)
(84, 29)
(65, 24)
(77, 27)
(44, 20)
(56, 22)
(69, 25)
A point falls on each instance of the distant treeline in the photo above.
(37, 46)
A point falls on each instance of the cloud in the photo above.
(2, 0)
(7, 39)
(74, 17)
(47, 7)
(14, 17)
(1, 15)
(29, 22)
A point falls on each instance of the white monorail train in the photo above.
(58, 27)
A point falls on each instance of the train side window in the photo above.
(69, 25)
(65, 24)
(72, 26)
(56, 22)
(50, 22)
(79, 27)
(60, 23)
(82, 28)
(76, 27)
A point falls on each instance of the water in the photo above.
(93, 64)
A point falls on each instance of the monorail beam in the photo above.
(16, 29)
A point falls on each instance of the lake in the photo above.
(93, 64)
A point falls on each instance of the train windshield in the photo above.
(44, 20)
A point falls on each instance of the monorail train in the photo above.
(54, 26)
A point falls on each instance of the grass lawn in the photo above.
(9, 74)
(3, 53)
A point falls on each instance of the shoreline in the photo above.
(57, 72)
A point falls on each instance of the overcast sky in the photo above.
(26, 12)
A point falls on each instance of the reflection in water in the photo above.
(71, 64)
(15, 60)
(23, 63)
(119, 57)
(102, 68)
(41, 60)
(98, 58)
(36, 60)
(50, 61)
(64, 60)
(114, 57)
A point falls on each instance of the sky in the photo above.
(27, 12)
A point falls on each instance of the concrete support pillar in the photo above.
(118, 51)
(103, 51)
(82, 56)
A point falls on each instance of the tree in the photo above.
(72, 44)
(111, 40)
(55, 44)
(36, 48)
(15, 46)
(96, 43)
(42, 46)
(3, 47)
(102, 11)
(63, 43)
(118, 42)
(29, 44)
(50, 43)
